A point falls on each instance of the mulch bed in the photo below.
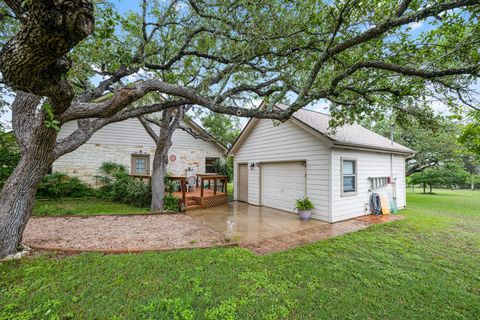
(118, 234)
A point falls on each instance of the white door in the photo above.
(243, 182)
(282, 184)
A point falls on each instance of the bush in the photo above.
(170, 203)
(224, 168)
(109, 173)
(125, 189)
(119, 186)
(60, 185)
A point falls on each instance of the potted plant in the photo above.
(304, 207)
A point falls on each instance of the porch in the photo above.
(203, 191)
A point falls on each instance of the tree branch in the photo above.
(405, 70)
(148, 128)
(375, 32)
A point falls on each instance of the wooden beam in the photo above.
(184, 199)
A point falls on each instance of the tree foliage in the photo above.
(434, 141)
(361, 56)
(224, 128)
(9, 155)
(446, 176)
(470, 137)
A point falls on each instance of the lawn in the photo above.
(230, 191)
(82, 206)
(423, 267)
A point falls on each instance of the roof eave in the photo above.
(373, 148)
(202, 130)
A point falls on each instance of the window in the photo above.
(141, 164)
(210, 165)
(349, 177)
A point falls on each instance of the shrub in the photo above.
(121, 187)
(170, 203)
(109, 173)
(303, 204)
(125, 189)
(60, 185)
(224, 168)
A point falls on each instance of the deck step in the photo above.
(194, 207)
(191, 202)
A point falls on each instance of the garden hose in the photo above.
(375, 205)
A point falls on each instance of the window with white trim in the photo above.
(349, 177)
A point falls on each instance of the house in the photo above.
(128, 143)
(274, 164)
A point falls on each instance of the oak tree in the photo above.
(361, 56)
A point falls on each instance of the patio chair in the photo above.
(191, 183)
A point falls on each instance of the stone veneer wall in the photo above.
(85, 162)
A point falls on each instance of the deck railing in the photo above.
(202, 177)
(200, 182)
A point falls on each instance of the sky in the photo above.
(126, 5)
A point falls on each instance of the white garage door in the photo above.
(282, 184)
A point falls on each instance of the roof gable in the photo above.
(347, 136)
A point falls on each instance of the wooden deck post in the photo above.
(201, 189)
(215, 186)
(183, 186)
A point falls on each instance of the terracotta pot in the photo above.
(304, 214)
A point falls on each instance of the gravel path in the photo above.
(120, 233)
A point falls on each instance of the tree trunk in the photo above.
(163, 141)
(424, 187)
(18, 194)
(160, 162)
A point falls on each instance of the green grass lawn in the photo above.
(230, 191)
(423, 267)
(82, 206)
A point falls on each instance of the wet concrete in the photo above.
(265, 230)
(245, 223)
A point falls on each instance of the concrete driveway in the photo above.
(245, 223)
(264, 230)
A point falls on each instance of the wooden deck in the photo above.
(194, 200)
(206, 193)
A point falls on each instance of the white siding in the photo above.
(287, 142)
(118, 141)
(369, 164)
(400, 185)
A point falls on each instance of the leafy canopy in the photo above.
(470, 136)
(219, 46)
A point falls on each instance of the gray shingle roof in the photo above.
(347, 135)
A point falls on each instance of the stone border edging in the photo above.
(124, 251)
(158, 213)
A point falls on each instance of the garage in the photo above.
(282, 183)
